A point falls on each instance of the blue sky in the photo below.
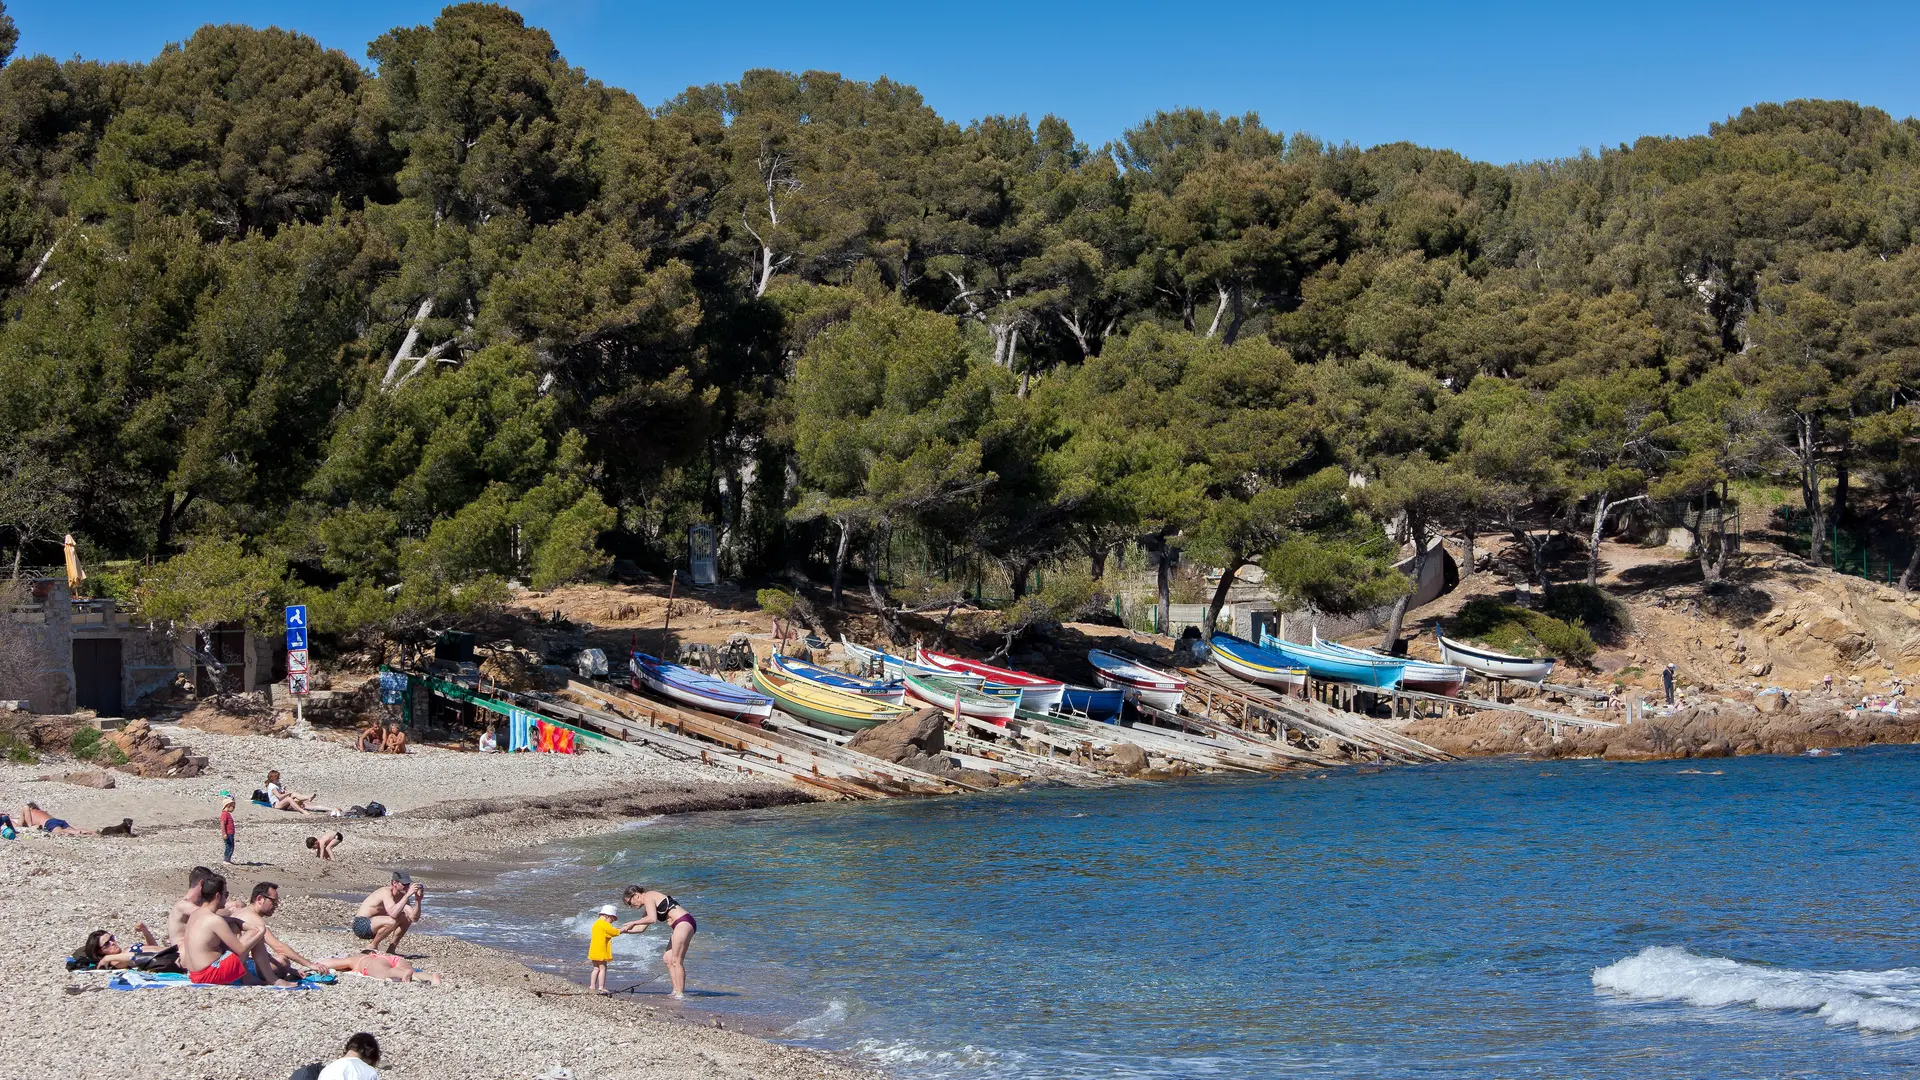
(1497, 81)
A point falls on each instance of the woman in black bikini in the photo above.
(658, 907)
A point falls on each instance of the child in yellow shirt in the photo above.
(600, 948)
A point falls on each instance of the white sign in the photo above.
(297, 684)
(297, 662)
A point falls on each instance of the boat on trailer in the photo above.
(1245, 660)
(892, 691)
(1376, 671)
(1149, 686)
(1494, 665)
(698, 689)
(1444, 679)
(1037, 693)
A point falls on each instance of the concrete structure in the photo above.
(89, 654)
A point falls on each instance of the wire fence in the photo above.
(1876, 556)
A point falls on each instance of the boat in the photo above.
(823, 705)
(1375, 671)
(1245, 660)
(1444, 679)
(898, 667)
(1494, 665)
(1101, 703)
(698, 689)
(1149, 686)
(940, 692)
(892, 691)
(1037, 694)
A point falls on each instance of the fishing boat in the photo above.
(1376, 671)
(1149, 686)
(1100, 703)
(1494, 665)
(898, 667)
(892, 691)
(1037, 694)
(1244, 659)
(940, 692)
(1427, 678)
(822, 705)
(698, 689)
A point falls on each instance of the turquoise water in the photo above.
(1479, 919)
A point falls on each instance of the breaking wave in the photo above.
(1868, 1000)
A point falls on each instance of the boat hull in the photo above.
(1245, 660)
(1443, 679)
(1379, 674)
(939, 693)
(1495, 665)
(1037, 694)
(891, 693)
(824, 706)
(1154, 689)
(897, 667)
(691, 688)
(1097, 703)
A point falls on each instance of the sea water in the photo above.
(1751, 917)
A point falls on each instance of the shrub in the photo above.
(89, 745)
(1517, 630)
(17, 750)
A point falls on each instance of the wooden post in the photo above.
(666, 629)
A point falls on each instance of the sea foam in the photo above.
(1868, 1000)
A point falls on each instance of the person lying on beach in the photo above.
(282, 961)
(322, 846)
(103, 952)
(387, 912)
(188, 903)
(218, 951)
(281, 799)
(37, 818)
(395, 741)
(379, 966)
(658, 907)
(370, 740)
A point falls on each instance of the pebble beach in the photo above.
(495, 1018)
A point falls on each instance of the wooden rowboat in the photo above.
(893, 691)
(1377, 671)
(1147, 685)
(1243, 659)
(1427, 678)
(1037, 694)
(940, 694)
(1494, 665)
(698, 689)
(821, 705)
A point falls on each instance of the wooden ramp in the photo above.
(1213, 693)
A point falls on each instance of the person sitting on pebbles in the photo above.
(281, 799)
(215, 953)
(37, 818)
(284, 962)
(395, 741)
(370, 739)
(387, 912)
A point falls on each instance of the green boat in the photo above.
(940, 694)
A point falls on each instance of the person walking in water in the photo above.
(658, 907)
(1666, 679)
(600, 947)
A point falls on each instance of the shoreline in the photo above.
(498, 1017)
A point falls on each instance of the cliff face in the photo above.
(1714, 729)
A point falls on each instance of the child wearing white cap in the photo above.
(600, 948)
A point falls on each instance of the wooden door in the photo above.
(96, 675)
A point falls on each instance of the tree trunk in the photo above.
(1467, 537)
(1593, 546)
(1098, 556)
(892, 625)
(1220, 595)
(169, 520)
(1809, 486)
(1018, 579)
(1840, 485)
(840, 560)
(1163, 588)
(1237, 317)
(1536, 558)
(1219, 310)
(20, 547)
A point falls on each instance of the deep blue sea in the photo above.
(1752, 917)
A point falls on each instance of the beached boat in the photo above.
(1149, 686)
(898, 667)
(1376, 671)
(1494, 665)
(1244, 659)
(698, 689)
(820, 704)
(892, 691)
(1037, 694)
(1427, 678)
(939, 692)
(1102, 703)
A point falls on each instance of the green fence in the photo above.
(1876, 557)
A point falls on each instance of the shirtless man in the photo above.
(375, 966)
(184, 907)
(395, 741)
(37, 818)
(272, 956)
(371, 739)
(212, 951)
(387, 913)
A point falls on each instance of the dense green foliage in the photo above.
(389, 336)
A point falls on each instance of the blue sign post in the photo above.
(297, 656)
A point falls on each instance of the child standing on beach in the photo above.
(600, 949)
(226, 824)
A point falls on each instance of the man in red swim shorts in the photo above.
(211, 949)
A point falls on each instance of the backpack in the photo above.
(260, 797)
(307, 1072)
(374, 809)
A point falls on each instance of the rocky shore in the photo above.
(488, 1022)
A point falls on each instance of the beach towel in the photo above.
(146, 980)
(519, 730)
(393, 687)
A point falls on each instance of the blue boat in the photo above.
(1380, 673)
(1094, 702)
(1248, 661)
(893, 691)
(699, 689)
(899, 667)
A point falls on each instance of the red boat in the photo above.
(1036, 694)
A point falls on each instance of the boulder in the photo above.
(1128, 759)
(918, 733)
(93, 778)
(1771, 703)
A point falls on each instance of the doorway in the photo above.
(96, 675)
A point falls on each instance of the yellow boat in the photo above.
(819, 705)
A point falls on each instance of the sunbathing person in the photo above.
(281, 961)
(379, 966)
(102, 951)
(281, 799)
(184, 907)
(370, 740)
(387, 912)
(37, 818)
(214, 952)
(395, 741)
(322, 846)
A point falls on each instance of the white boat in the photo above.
(1494, 665)
(1149, 686)
(1419, 675)
(899, 667)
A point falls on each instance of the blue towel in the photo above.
(520, 730)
